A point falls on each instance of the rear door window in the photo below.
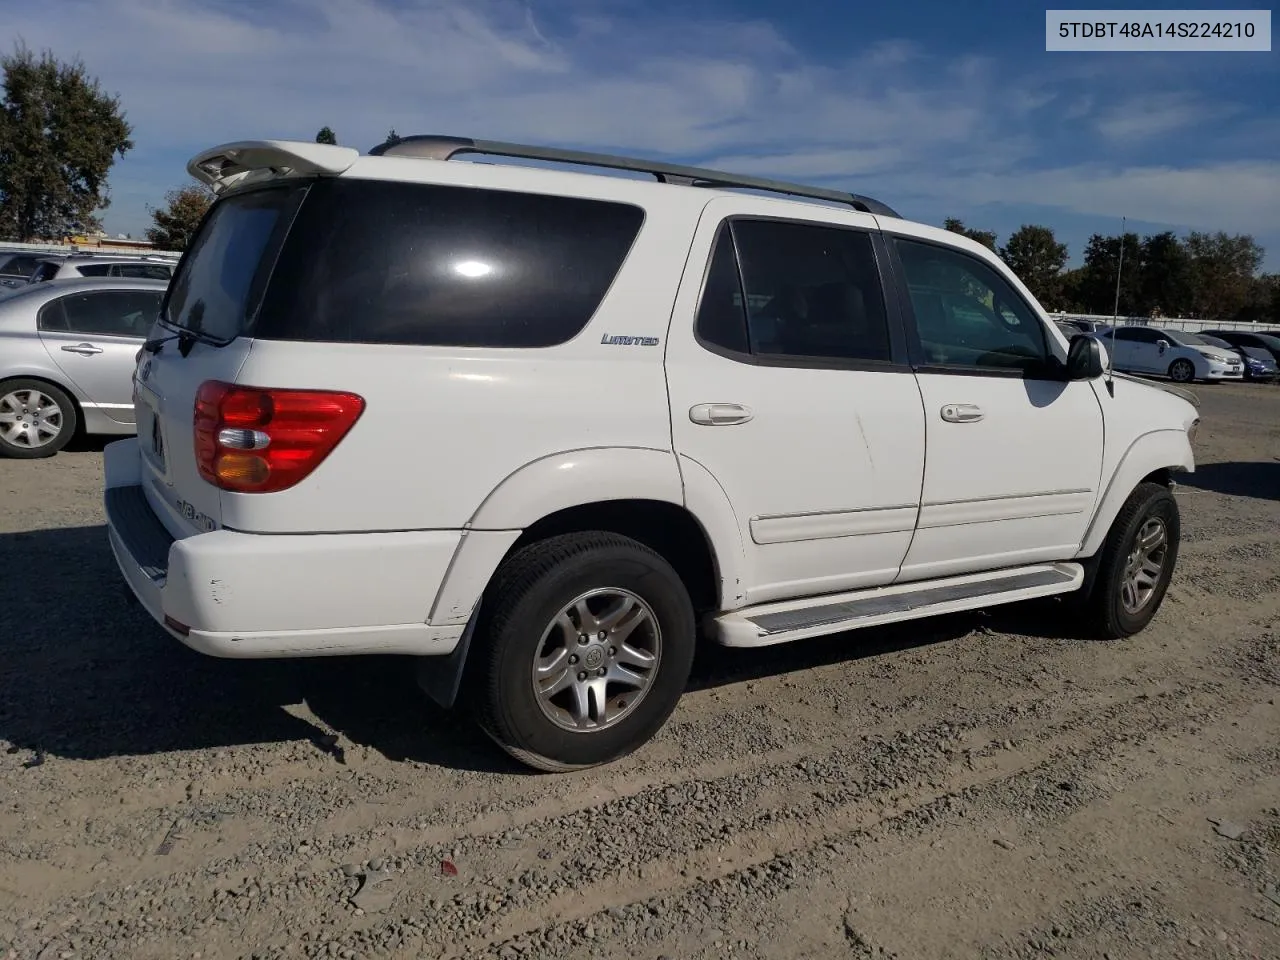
(114, 313)
(370, 261)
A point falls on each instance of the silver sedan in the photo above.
(67, 356)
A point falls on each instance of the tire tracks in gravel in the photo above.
(716, 827)
(347, 808)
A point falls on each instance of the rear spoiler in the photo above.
(232, 163)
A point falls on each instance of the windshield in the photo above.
(1215, 342)
(219, 284)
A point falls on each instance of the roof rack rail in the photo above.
(434, 147)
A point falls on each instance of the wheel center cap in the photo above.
(593, 658)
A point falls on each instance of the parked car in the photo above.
(1259, 364)
(1081, 325)
(16, 268)
(1270, 342)
(1068, 330)
(67, 355)
(60, 268)
(1159, 351)
(769, 418)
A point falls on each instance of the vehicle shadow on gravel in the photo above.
(1257, 479)
(86, 674)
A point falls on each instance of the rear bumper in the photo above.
(241, 595)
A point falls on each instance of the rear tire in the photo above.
(37, 419)
(1135, 564)
(587, 642)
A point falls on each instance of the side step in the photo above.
(789, 620)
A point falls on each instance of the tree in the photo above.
(1165, 280)
(1097, 287)
(1036, 256)
(392, 138)
(1263, 303)
(1223, 269)
(984, 237)
(1072, 290)
(177, 222)
(327, 136)
(59, 136)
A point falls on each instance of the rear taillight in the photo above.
(258, 440)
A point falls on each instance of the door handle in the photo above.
(84, 349)
(719, 414)
(962, 413)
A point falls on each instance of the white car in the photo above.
(1182, 357)
(138, 268)
(544, 429)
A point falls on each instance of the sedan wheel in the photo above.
(36, 419)
(1182, 371)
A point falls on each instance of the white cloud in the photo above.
(1237, 196)
(1149, 117)
(891, 120)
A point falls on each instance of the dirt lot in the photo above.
(982, 786)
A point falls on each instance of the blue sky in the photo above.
(939, 108)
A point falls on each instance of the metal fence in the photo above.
(1185, 324)
(105, 248)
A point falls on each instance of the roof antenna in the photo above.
(1115, 318)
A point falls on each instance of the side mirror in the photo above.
(1163, 345)
(1084, 359)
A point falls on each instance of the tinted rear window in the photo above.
(220, 282)
(45, 271)
(19, 266)
(371, 261)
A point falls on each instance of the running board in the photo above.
(789, 620)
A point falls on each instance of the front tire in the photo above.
(1182, 371)
(589, 639)
(37, 419)
(1135, 564)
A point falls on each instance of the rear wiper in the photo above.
(186, 340)
(156, 343)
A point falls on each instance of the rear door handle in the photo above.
(84, 349)
(719, 414)
(962, 413)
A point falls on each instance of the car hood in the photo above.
(1180, 392)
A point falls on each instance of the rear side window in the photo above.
(93, 269)
(371, 261)
(103, 313)
(19, 266)
(220, 282)
(46, 271)
(145, 271)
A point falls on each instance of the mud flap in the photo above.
(440, 678)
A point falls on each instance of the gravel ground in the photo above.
(982, 786)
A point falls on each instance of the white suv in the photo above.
(543, 429)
